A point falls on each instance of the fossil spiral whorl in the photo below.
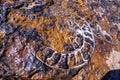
(79, 51)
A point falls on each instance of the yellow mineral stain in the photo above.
(55, 36)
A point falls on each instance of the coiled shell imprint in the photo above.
(76, 54)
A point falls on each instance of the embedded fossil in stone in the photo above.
(53, 37)
(62, 59)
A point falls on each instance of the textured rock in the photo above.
(59, 39)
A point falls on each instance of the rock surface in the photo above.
(49, 39)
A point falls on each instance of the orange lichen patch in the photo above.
(17, 18)
(117, 45)
(2, 35)
(104, 23)
(48, 62)
(53, 35)
(3, 1)
(95, 69)
(78, 58)
(99, 60)
(99, 67)
(115, 41)
(39, 55)
(104, 49)
(71, 63)
(24, 76)
(64, 4)
(85, 11)
(37, 76)
(57, 38)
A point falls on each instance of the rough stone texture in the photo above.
(31, 31)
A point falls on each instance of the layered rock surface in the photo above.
(29, 27)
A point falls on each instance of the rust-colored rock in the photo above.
(59, 39)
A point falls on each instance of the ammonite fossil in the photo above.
(80, 50)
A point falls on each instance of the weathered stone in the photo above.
(68, 47)
(118, 35)
(17, 5)
(56, 57)
(47, 53)
(73, 72)
(33, 33)
(63, 62)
